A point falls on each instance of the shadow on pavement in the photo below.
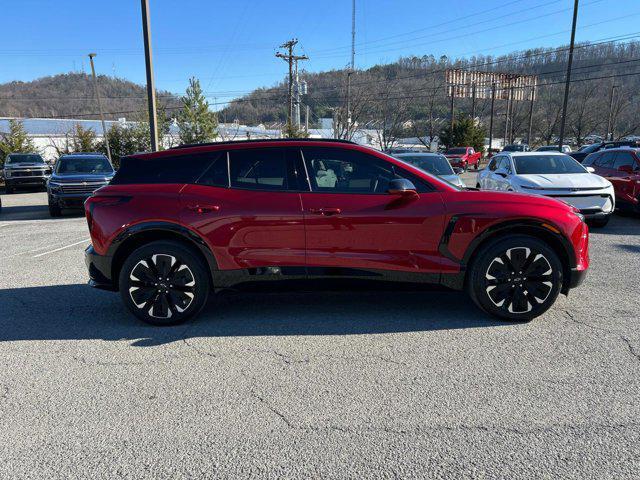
(78, 312)
(33, 212)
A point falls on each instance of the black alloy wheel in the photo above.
(516, 278)
(164, 283)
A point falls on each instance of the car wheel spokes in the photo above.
(162, 285)
(518, 280)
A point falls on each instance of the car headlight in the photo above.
(55, 187)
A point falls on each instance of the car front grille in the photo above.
(25, 173)
(81, 187)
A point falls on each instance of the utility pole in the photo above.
(453, 92)
(473, 101)
(290, 58)
(493, 101)
(95, 86)
(609, 134)
(506, 117)
(351, 66)
(151, 89)
(568, 80)
(306, 119)
(533, 96)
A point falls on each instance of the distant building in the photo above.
(47, 134)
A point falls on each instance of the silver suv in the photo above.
(25, 169)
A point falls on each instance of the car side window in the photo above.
(493, 164)
(217, 175)
(263, 169)
(591, 159)
(333, 170)
(165, 169)
(623, 159)
(606, 159)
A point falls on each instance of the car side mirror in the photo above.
(625, 168)
(591, 169)
(458, 170)
(402, 187)
(502, 172)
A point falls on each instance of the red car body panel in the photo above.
(433, 232)
(626, 182)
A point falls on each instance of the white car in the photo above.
(553, 174)
(435, 164)
(553, 148)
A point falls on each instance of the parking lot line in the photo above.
(61, 248)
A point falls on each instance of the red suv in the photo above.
(463, 157)
(174, 225)
(621, 166)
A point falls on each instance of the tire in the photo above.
(600, 222)
(476, 166)
(496, 285)
(9, 190)
(182, 294)
(54, 211)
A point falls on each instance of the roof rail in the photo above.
(264, 140)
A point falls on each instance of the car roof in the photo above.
(529, 154)
(84, 154)
(418, 154)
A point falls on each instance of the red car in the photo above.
(463, 157)
(172, 226)
(621, 166)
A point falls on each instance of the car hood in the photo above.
(455, 179)
(564, 180)
(85, 177)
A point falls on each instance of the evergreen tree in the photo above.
(292, 131)
(465, 134)
(15, 141)
(196, 123)
(126, 140)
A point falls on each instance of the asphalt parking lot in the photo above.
(379, 384)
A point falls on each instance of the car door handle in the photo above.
(200, 209)
(327, 212)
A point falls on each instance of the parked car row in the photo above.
(72, 179)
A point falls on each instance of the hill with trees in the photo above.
(71, 95)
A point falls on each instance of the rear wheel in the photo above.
(516, 278)
(164, 283)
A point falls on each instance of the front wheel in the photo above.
(54, 210)
(600, 222)
(164, 283)
(9, 190)
(516, 278)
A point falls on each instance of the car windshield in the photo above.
(548, 148)
(434, 164)
(89, 165)
(546, 164)
(24, 158)
(456, 151)
(589, 148)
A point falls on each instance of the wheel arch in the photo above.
(543, 231)
(141, 234)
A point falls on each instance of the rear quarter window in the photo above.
(169, 169)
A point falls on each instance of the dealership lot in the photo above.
(342, 384)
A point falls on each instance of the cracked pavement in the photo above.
(309, 384)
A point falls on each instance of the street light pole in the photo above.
(151, 89)
(95, 86)
(568, 79)
(609, 134)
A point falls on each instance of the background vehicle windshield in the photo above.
(513, 148)
(89, 165)
(24, 158)
(589, 148)
(546, 164)
(456, 151)
(434, 164)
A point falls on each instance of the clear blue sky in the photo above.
(230, 45)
